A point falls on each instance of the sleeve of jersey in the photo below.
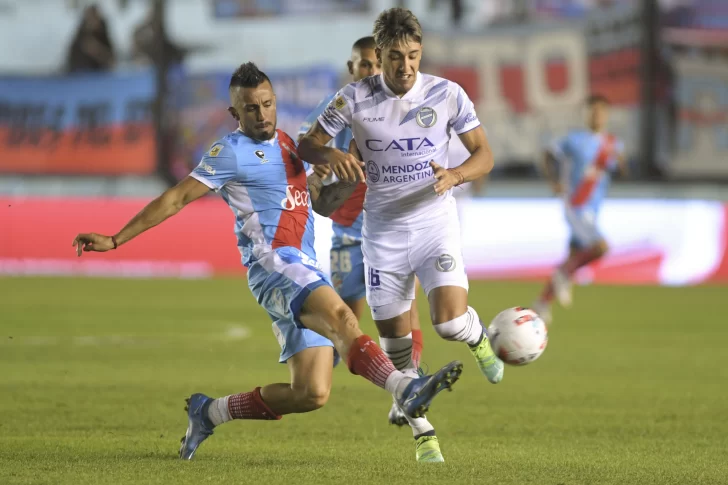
(463, 117)
(337, 114)
(217, 167)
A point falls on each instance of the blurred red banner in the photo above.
(677, 242)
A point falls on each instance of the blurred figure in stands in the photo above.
(150, 39)
(91, 48)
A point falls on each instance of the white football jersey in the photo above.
(397, 138)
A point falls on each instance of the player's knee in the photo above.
(447, 313)
(312, 397)
(447, 305)
(342, 318)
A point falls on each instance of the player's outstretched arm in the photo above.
(158, 210)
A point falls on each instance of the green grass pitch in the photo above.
(632, 389)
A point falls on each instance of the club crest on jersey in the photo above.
(215, 150)
(340, 102)
(445, 263)
(261, 154)
(372, 171)
(426, 117)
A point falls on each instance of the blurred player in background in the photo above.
(402, 121)
(584, 159)
(258, 173)
(347, 261)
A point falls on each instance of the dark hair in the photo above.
(248, 76)
(364, 43)
(396, 25)
(596, 99)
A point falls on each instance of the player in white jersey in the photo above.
(402, 121)
(347, 261)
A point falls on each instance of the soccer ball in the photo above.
(518, 336)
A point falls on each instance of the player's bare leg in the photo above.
(311, 371)
(309, 390)
(454, 320)
(357, 307)
(326, 314)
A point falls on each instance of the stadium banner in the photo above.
(201, 101)
(94, 124)
(693, 32)
(679, 242)
(529, 82)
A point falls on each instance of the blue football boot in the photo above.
(419, 393)
(199, 427)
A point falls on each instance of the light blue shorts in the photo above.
(280, 281)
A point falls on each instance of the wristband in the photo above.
(460, 176)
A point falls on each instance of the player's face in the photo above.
(598, 116)
(400, 63)
(255, 110)
(364, 63)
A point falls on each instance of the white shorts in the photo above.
(393, 258)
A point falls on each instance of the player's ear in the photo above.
(350, 65)
(378, 52)
(234, 113)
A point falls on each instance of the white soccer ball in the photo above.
(518, 336)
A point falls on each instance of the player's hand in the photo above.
(346, 167)
(92, 242)
(557, 188)
(446, 179)
(322, 171)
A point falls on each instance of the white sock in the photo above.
(396, 383)
(399, 351)
(217, 411)
(419, 425)
(465, 328)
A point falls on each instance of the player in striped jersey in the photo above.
(583, 161)
(257, 171)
